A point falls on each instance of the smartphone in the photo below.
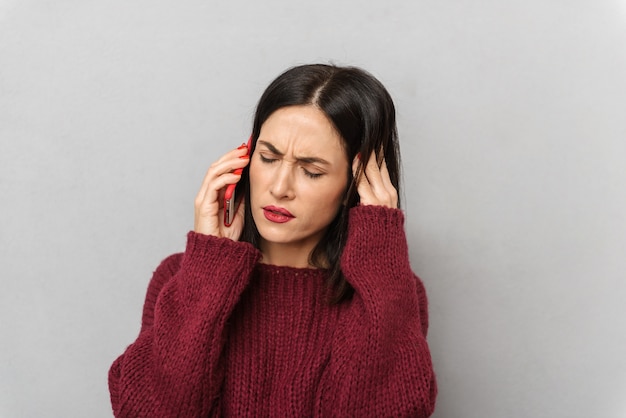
(230, 197)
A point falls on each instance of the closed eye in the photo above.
(267, 160)
(312, 175)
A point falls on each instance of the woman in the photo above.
(306, 304)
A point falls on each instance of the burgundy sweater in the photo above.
(224, 335)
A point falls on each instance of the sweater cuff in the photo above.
(216, 262)
(376, 244)
(377, 220)
(205, 252)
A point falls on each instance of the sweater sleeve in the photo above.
(380, 364)
(173, 368)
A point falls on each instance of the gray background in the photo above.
(512, 117)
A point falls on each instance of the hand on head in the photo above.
(374, 184)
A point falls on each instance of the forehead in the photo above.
(302, 129)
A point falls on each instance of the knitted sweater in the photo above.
(224, 335)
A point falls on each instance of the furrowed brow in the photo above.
(312, 160)
(271, 147)
(305, 160)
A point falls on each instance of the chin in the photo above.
(274, 237)
(271, 236)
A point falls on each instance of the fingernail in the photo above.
(242, 146)
(244, 157)
(238, 171)
(358, 155)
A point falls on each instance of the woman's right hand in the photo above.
(209, 203)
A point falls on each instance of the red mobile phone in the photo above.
(230, 197)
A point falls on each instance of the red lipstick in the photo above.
(277, 215)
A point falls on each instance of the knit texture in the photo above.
(224, 335)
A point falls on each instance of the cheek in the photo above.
(329, 201)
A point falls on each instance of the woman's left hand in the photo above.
(375, 186)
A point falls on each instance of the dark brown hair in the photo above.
(363, 113)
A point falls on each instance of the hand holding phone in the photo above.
(230, 196)
(209, 202)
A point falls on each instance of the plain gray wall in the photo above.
(512, 116)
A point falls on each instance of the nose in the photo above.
(282, 186)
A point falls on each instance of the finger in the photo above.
(372, 172)
(374, 176)
(363, 187)
(229, 162)
(389, 187)
(356, 163)
(214, 187)
(384, 174)
(358, 171)
(208, 211)
(380, 190)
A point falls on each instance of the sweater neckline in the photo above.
(290, 286)
(292, 271)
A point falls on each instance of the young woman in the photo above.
(306, 304)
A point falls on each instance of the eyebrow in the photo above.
(306, 160)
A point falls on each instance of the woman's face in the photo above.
(298, 180)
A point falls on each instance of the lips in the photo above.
(277, 215)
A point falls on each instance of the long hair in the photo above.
(363, 113)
